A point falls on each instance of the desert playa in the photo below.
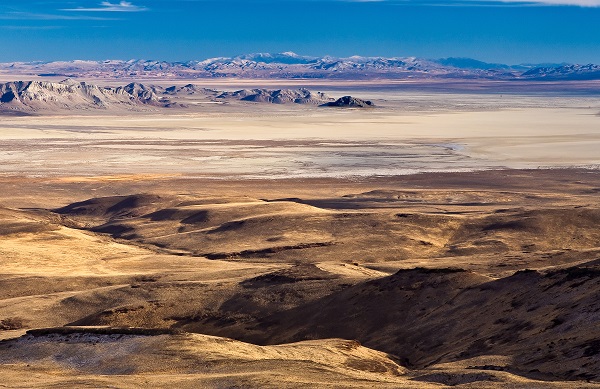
(435, 240)
(407, 132)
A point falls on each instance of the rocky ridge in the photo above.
(39, 96)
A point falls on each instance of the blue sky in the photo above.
(508, 31)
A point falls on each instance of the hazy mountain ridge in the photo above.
(291, 65)
(565, 72)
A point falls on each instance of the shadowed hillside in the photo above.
(489, 287)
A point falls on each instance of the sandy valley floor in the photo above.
(249, 245)
(407, 133)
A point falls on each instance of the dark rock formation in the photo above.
(349, 102)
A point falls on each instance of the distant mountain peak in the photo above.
(290, 54)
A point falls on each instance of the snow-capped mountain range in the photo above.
(293, 66)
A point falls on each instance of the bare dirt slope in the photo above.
(485, 279)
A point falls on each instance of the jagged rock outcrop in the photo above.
(190, 89)
(145, 94)
(31, 96)
(350, 102)
(279, 96)
(25, 97)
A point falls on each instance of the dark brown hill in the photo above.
(547, 321)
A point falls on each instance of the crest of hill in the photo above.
(162, 359)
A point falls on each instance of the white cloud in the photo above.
(30, 28)
(107, 6)
(581, 3)
(38, 16)
(479, 3)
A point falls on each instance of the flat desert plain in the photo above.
(436, 240)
